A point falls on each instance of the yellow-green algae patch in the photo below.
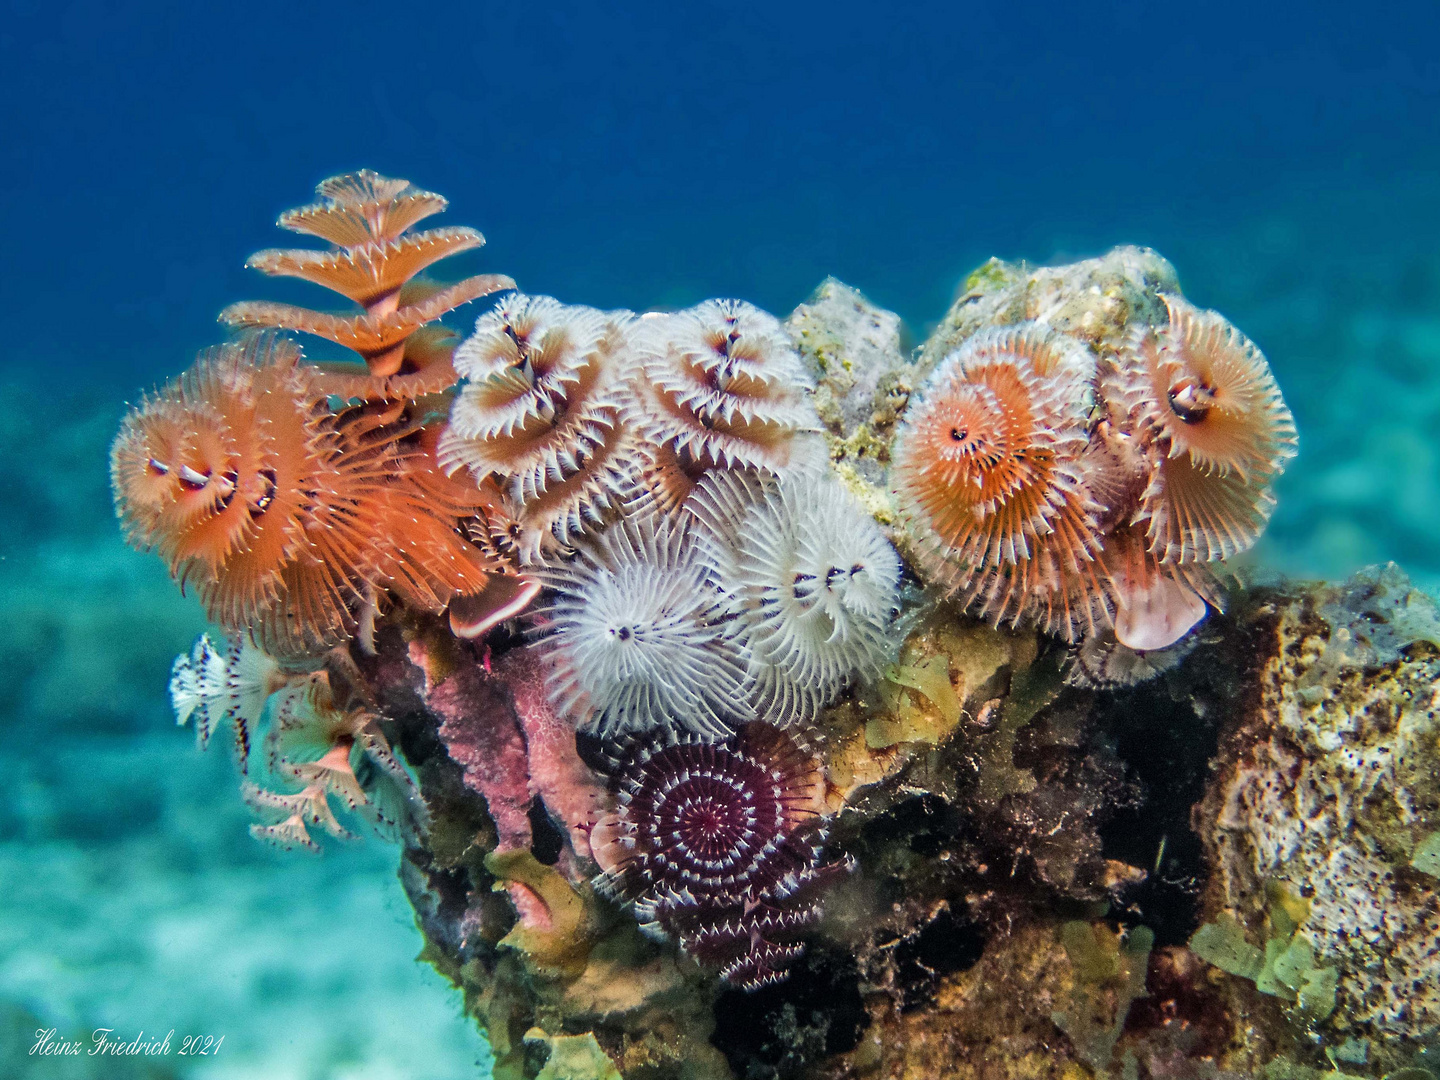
(1109, 970)
(623, 976)
(573, 1057)
(1285, 968)
(1427, 855)
(554, 930)
(1031, 688)
(927, 719)
(948, 669)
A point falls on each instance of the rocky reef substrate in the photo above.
(1213, 859)
(1033, 858)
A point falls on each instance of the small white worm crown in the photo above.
(641, 636)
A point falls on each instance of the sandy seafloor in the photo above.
(130, 893)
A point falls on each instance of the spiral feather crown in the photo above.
(1085, 496)
(987, 469)
(374, 264)
(721, 385)
(720, 845)
(1202, 397)
(817, 582)
(541, 413)
(290, 520)
(641, 636)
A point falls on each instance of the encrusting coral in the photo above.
(747, 792)
(1328, 790)
(855, 354)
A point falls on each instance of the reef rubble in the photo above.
(1043, 789)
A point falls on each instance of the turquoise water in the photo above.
(640, 158)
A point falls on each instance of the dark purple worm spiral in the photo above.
(718, 843)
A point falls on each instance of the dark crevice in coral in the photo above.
(774, 1033)
(536, 1054)
(1167, 732)
(591, 750)
(948, 944)
(398, 686)
(928, 823)
(986, 856)
(547, 841)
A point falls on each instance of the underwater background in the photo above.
(1282, 157)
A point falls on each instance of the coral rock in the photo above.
(1330, 788)
(855, 353)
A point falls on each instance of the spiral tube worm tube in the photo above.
(718, 386)
(641, 635)
(987, 471)
(374, 262)
(540, 414)
(817, 581)
(720, 845)
(1201, 400)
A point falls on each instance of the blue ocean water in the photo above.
(1283, 156)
